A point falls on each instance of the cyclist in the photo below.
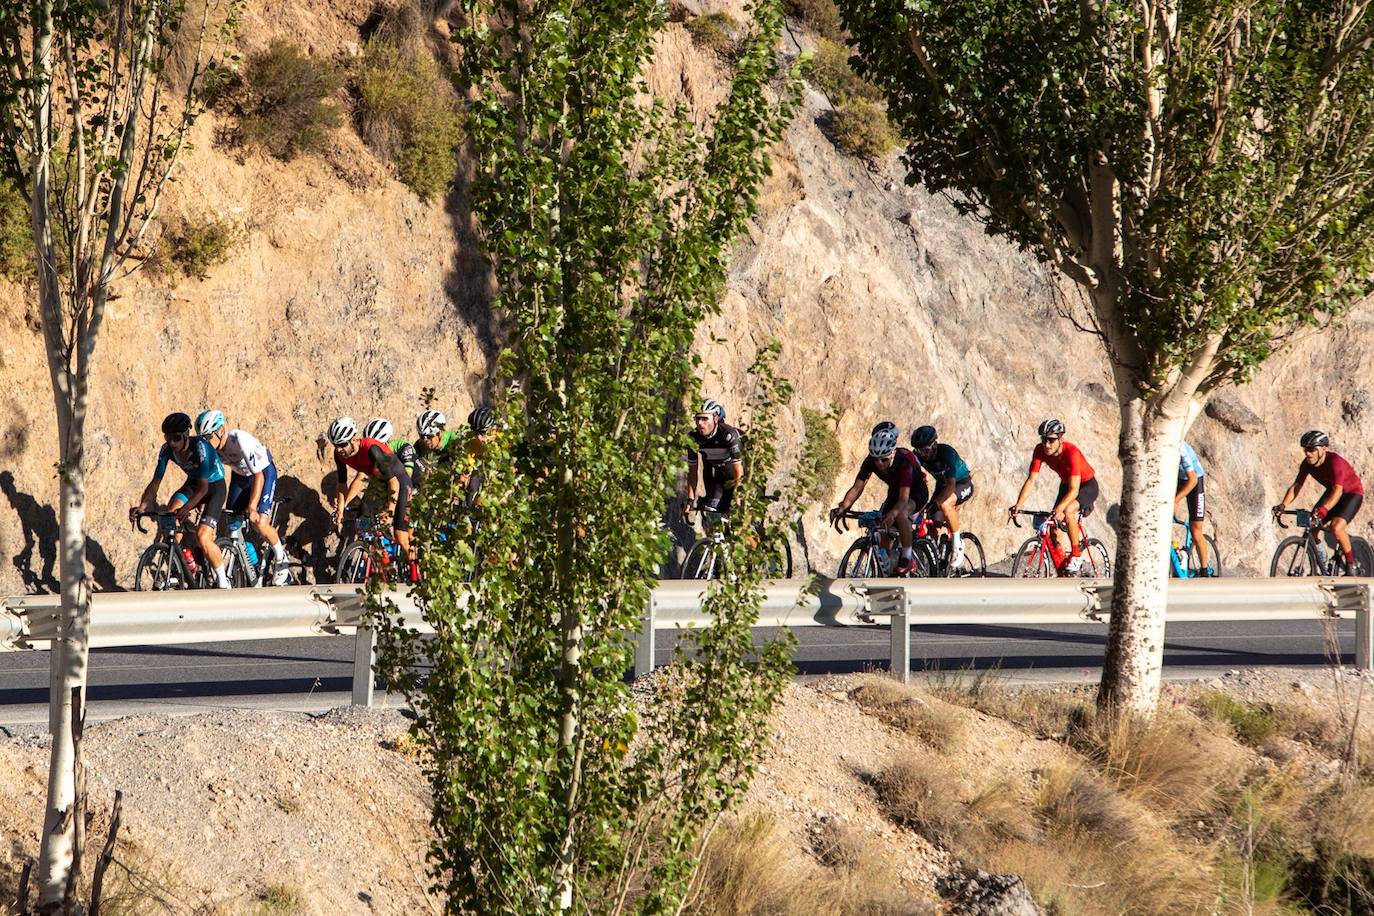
(718, 453)
(953, 483)
(1191, 487)
(906, 488)
(204, 487)
(1344, 492)
(1077, 488)
(380, 429)
(481, 423)
(370, 458)
(252, 482)
(433, 442)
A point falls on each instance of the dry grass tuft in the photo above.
(905, 708)
(1074, 799)
(838, 847)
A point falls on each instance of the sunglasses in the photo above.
(180, 438)
(704, 416)
(1049, 439)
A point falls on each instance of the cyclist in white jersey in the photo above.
(252, 483)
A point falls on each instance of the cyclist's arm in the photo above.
(1025, 491)
(1291, 495)
(693, 471)
(736, 473)
(348, 493)
(851, 495)
(148, 496)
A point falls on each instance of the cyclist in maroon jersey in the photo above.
(370, 458)
(1344, 493)
(906, 487)
(1077, 487)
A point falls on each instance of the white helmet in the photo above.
(430, 423)
(378, 429)
(208, 422)
(883, 443)
(341, 431)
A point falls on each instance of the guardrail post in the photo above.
(901, 641)
(1354, 596)
(644, 648)
(364, 657)
(1364, 636)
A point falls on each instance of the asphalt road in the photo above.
(315, 674)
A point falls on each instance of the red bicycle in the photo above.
(1041, 557)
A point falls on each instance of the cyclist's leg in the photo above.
(400, 519)
(205, 531)
(1067, 534)
(1197, 508)
(1338, 520)
(1081, 507)
(963, 491)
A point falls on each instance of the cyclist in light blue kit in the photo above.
(204, 486)
(1191, 487)
(252, 483)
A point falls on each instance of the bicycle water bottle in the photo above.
(252, 552)
(1321, 556)
(884, 561)
(190, 559)
(1056, 553)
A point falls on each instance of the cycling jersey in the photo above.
(374, 458)
(1187, 461)
(718, 450)
(243, 454)
(904, 471)
(945, 463)
(448, 446)
(201, 461)
(1068, 463)
(1334, 471)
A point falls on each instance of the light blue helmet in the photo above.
(209, 422)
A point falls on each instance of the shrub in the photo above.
(16, 233)
(830, 71)
(201, 243)
(821, 16)
(281, 101)
(821, 456)
(937, 724)
(409, 117)
(714, 32)
(861, 128)
(1250, 724)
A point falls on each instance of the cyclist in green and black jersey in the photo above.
(953, 483)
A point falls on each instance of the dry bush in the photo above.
(749, 869)
(281, 101)
(829, 69)
(192, 245)
(1075, 799)
(714, 32)
(16, 231)
(1251, 724)
(1315, 727)
(821, 16)
(837, 846)
(937, 724)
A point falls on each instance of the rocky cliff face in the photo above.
(348, 295)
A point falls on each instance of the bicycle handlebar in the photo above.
(871, 515)
(1301, 516)
(1038, 514)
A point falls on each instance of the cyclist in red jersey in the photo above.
(1077, 487)
(1344, 493)
(907, 492)
(370, 458)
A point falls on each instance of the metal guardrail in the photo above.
(177, 618)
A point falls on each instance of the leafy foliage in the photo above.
(202, 242)
(282, 101)
(861, 129)
(408, 116)
(829, 69)
(607, 217)
(821, 455)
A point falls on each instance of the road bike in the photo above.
(248, 561)
(1183, 559)
(370, 553)
(1041, 557)
(1306, 555)
(935, 532)
(173, 560)
(868, 558)
(709, 555)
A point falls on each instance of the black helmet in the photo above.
(481, 419)
(1051, 427)
(1314, 438)
(879, 427)
(176, 424)
(923, 437)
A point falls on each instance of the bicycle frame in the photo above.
(1038, 562)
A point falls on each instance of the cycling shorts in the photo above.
(213, 504)
(400, 519)
(1196, 499)
(963, 491)
(1087, 496)
(240, 488)
(1345, 507)
(717, 498)
(919, 495)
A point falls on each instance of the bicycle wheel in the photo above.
(157, 570)
(1363, 558)
(235, 563)
(1032, 561)
(700, 562)
(354, 563)
(1213, 559)
(1097, 563)
(972, 564)
(858, 562)
(923, 553)
(1293, 557)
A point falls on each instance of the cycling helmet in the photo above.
(430, 423)
(1051, 427)
(341, 431)
(481, 419)
(210, 421)
(883, 443)
(923, 437)
(176, 424)
(715, 407)
(378, 429)
(879, 427)
(1314, 438)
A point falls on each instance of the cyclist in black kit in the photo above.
(718, 454)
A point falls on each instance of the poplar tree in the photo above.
(1201, 170)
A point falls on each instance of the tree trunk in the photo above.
(1148, 449)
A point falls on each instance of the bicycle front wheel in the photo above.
(858, 562)
(779, 564)
(700, 562)
(973, 563)
(1032, 561)
(1097, 563)
(354, 563)
(157, 570)
(235, 563)
(1293, 557)
(1195, 567)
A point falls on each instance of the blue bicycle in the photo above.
(1184, 562)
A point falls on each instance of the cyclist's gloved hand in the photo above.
(1277, 510)
(835, 515)
(1318, 516)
